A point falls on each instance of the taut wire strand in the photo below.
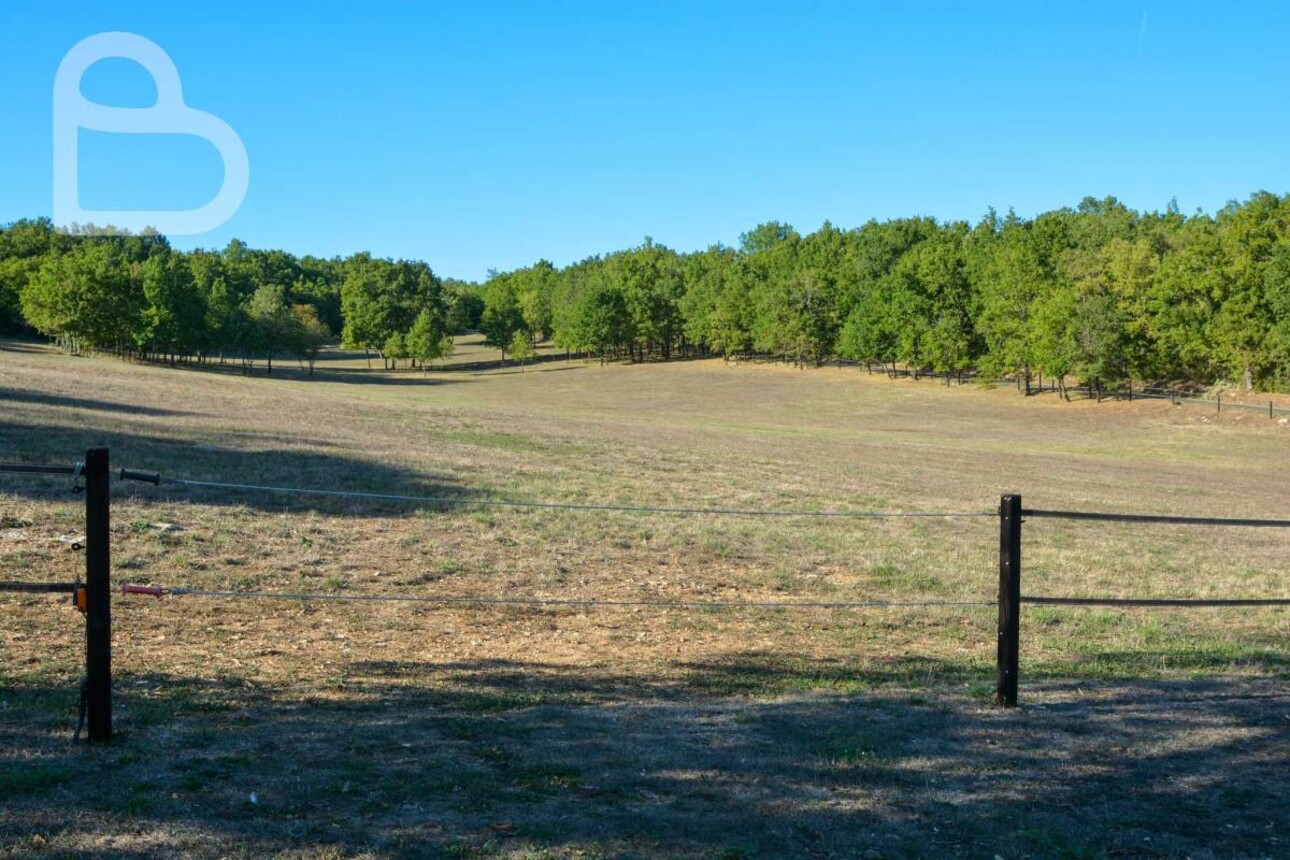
(563, 601)
(509, 503)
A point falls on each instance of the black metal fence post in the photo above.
(1005, 692)
(98, 596)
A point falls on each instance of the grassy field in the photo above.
(416, 729)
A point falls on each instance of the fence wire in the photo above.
(569, 506)
(1155, 601)
(553, 601)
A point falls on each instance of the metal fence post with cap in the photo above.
(1005, 692)
(98, 604)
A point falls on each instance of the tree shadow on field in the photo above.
(513, 371)
(11, 396)
(12, 343)
(496, 757)
(375, 376)
(278, 461)
(508, 364)
(324, 371)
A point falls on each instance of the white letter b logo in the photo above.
(72, 112)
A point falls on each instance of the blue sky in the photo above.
(488, 135)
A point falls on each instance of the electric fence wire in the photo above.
(554, 601)
(569, 506)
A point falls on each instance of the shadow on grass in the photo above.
(312, 467)
(324, 371)
(1265, 653)
(9, 396)
(29, 346)
(410, 378)
(508, 364)
(498, 757)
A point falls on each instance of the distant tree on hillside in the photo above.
(521, 348)
(309, 335)
(503, 316)
(425, 341)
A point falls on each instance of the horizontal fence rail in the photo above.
(1165, 519)
(1155, 601)
(1011, 517)
(23, 469)
(39, 587)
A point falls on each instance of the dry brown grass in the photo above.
(414, 729)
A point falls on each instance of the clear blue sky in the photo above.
(481, 135)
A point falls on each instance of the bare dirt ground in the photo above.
(415, 729)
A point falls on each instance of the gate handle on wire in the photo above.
(155, 590)
(146, 477)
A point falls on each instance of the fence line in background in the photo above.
(1181, 398)
(1089, 392)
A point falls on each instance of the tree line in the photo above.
(1098, 294)
(135, 296)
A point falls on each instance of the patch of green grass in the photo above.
(545, 777)
(26, 778)
(470, 848)
(849, 753)
(498, 441)
(140, 799)
(903, 580)
(1236, 796)
(497, 702)
(1058, 843)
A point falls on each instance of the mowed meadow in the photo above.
(252, 727)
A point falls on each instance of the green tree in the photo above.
(308, 335)
(174, 318)
(465, 306)
(394, 348)
(425, 340)
(24, 247)
(521, 348)
(273, 327)
(380, 298)
(503, 316)
(534, 288)
(90, 296)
